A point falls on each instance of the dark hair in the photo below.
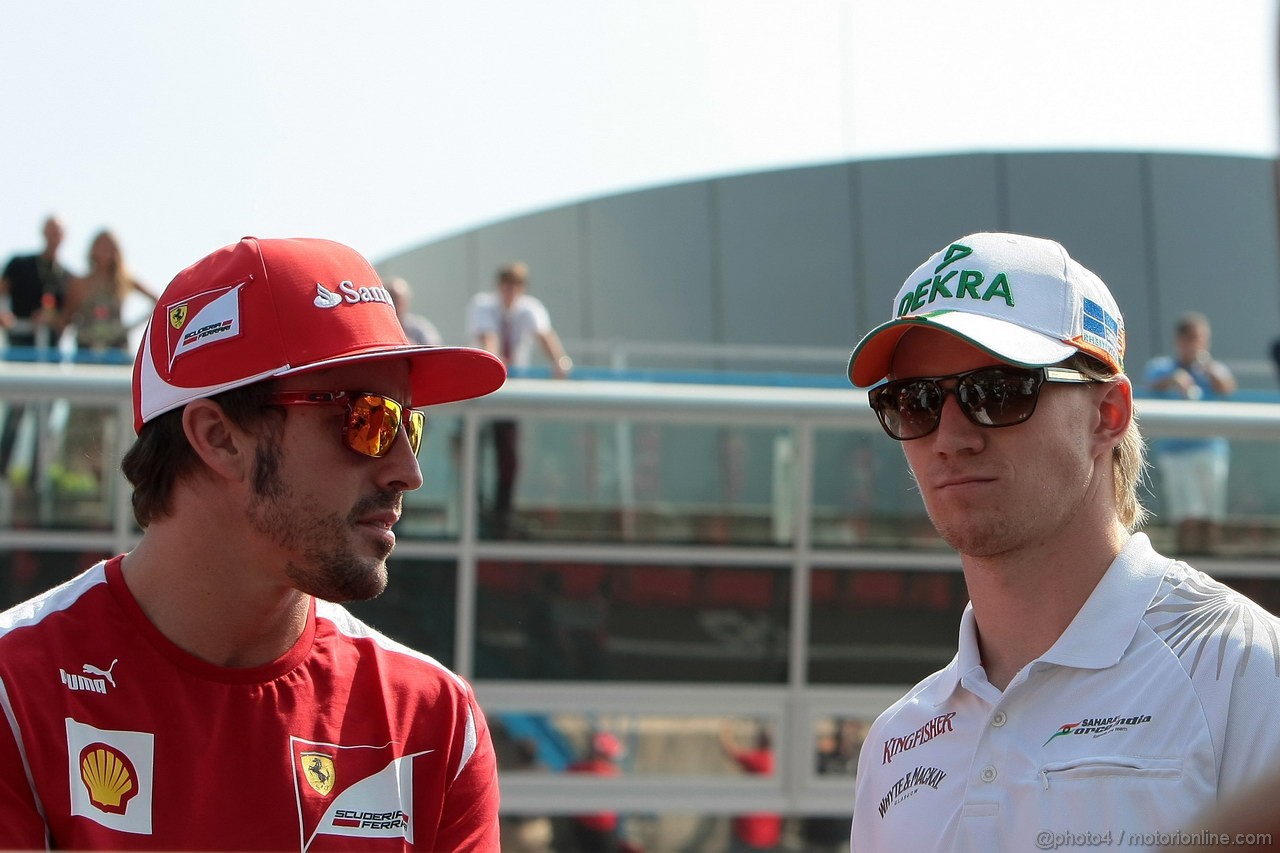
(1189, 322)
(161, 455)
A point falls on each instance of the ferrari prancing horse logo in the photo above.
(318, 768)
(178, 315)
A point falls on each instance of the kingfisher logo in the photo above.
(1099, 726)
(351, 294)
(939, 725)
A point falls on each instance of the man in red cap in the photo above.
(206, 690)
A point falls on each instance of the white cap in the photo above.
(1022, 299)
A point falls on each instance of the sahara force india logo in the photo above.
(939, 725)
(1099, 726)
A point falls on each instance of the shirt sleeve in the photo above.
(1251, 744)
(469, 819)
(21, 825)
(538, 318)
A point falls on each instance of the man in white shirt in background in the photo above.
(507, 323)
(1102, 694)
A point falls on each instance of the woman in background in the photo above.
(95, 302)
(95, 310)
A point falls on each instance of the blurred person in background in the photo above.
(837, 756)
(507, 323)
(32, 292)
(597, 833)
(417, 328)
(755, 831)
(1193, 470)
(95, 311)
(95, 304)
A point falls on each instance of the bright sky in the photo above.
(185, 125)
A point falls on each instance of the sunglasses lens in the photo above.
(910, 408)
(999, 397)
(372, 424)
(415, 427)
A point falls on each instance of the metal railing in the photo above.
(793, 708)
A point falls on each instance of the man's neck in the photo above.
(213, 605)
(1024, 601)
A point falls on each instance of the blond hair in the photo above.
(1129, 459)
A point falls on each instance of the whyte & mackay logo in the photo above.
(909, 786)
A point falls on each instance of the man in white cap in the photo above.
(1102, 693)
(204, 691)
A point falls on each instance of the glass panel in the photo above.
(863, 494)
(632, 623)
(622, 744)
(431, 512)
(25, 574)
(417, 608)
(62, 465)
(882, 627)
(837, 745)
(686, 833)
(635, 482)
(1251, 526)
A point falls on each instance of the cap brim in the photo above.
(437, 374)
(873, 356)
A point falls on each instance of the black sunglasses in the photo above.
(998, 396)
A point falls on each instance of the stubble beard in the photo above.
(327, 566)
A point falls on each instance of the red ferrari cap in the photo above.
(259, 309)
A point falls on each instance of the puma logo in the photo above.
(90, 669)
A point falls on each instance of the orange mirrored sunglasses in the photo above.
(373, 421)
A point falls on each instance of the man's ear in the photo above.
(227, 450)
(1115, 411)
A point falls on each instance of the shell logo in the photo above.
(109, 776)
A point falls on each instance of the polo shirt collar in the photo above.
(1105, 626)
(1098, 635)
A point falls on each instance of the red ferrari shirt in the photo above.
(115, 738)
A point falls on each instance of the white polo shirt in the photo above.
(520, 326)
(1162, 696)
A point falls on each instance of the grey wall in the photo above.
(812, 257)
